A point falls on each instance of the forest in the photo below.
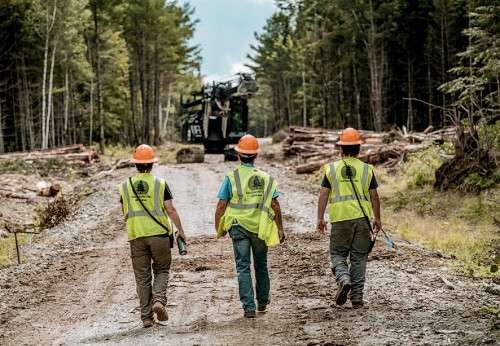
(115, 71)
(375, 64)
(85, 71)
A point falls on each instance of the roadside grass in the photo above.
(117, 152)
(8, 249)
(453, 223)
(44, 168)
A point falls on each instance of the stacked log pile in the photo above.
(77, 153)
(315, 147)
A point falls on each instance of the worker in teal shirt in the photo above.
(245, 245)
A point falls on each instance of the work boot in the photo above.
(357, 304)
(261, 307)
(148, 323)
(160, 311)
(343, 289)
(250, 314)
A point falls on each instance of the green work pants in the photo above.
(350, 239)
(151, 254)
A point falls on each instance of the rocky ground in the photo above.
(77, 286)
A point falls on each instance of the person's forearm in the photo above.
(174, 216)
(376, 206)
(278, 217)
(219, 212)
(322, 203)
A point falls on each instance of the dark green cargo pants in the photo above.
(350, 239)
(151, 253)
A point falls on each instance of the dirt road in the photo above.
(78, 288)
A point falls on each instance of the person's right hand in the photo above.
(321, 226)
(377, 226)
(180, 234)
(281, 234)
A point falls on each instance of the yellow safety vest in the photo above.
(343, 204)
(250, 204)
(151, 191)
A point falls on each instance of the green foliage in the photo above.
(14, 166)
(453, 223)
(479, 67)
(44, 167)
(476, 182)
(118, 152)
(476, 93)
(338, 61)
(489, 135)
(100, 63)
(421, 167)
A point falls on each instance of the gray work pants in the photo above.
(350, 239)
(151, 253)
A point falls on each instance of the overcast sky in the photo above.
(225, 32)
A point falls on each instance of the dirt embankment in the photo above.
(79, 287)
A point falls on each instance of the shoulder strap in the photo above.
(349, 174)
(144, 207)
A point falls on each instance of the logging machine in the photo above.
(217, 116)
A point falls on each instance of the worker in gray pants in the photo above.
(349, 189)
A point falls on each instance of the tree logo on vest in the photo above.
(256, 183)
(344, 172)
(141, 187)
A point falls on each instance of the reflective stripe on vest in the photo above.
(250, 204)
(343, 204)
(139, 222)
(242, 206)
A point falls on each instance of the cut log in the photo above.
(313, 146)
(16, 195)
(124, 163)
(429, 129)
(73, 153)
(46, 189)
(310, 167)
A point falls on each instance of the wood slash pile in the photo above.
(315, 147)
(50, 162)
(77, 153)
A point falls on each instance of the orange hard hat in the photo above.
(248, 144)
(349, 136)
(144, 154)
